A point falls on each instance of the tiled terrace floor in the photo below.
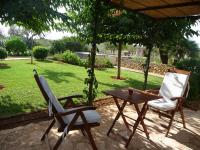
(28, 137)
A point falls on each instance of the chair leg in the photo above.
(88, 131)
(48, 129)
(82, 131)
(182, 116)
(59, 141)
(170, 123)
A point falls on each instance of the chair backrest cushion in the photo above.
(174, 85)
(52, 98)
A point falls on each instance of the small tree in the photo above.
(15, 46)
(40, 52)
(3, 53)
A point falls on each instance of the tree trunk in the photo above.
(163, 56)
(146, 66)
(31, 48)
(93, 53)
(119, 60)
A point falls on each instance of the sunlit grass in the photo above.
(21, 93)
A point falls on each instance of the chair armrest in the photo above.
(179, 98)
(84, 108)
(153, 91)
(70, 97)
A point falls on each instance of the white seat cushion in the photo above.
(173, 85)
(91, 116)
(162, 104)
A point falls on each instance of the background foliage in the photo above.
(3, 53)
(40, 52)
(15, 46)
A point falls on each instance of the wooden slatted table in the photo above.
(134, 97)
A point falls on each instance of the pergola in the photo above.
(156, 9)
(161, 8)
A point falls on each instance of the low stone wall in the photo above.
(154, 68)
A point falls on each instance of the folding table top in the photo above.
(137, 96)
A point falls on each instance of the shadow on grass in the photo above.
(129, 82)
(45, 61)
(4, 66)
(56, 76)
(9, 107)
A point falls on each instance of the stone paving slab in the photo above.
(28, 137)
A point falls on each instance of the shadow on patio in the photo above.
(28, 137)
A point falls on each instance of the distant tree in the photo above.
(26, 35)
(68, 43)
(184, 48)
(43, 42)
(57, 46)
(1, 34)
(15, 46)
(2, 38)
(110, 46)
(14, 31)
(130, 48)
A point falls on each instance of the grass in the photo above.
(21, 93)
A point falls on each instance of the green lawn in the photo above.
(21, 93)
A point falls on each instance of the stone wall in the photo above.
(154, 68)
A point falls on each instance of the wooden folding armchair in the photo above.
(173, 90)
(71, 118)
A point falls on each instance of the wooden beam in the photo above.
(168, 6)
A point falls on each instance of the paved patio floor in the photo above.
(28, 137)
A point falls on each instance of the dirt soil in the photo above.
(1, 87)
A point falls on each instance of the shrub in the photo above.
(192, 65)
(58, 57)
(15, 46)
(3, 53)
(103, 63)
(40, 52)
(71, 58)
(139, 59)
(27, 53)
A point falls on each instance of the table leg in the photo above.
(122, 115)
(139, 119)
(118, 114)
(142, 120)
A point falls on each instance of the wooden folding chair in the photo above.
(73, 118)
(174, 90)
